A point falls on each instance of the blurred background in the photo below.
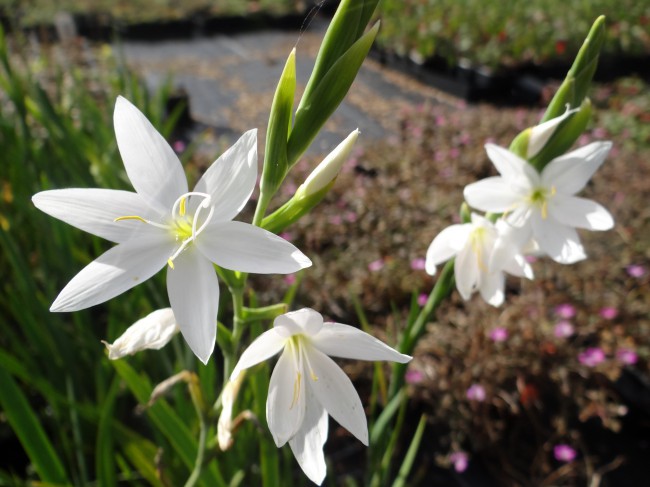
(552, 388)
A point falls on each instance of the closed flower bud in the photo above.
(540, 134)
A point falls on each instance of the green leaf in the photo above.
(139, 451)
(320, 103)
(407, 464)
(105, 453)
(574, 88)
(32, 437)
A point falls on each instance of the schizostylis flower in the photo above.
(163, 224)
(306, 383)
(544, 206)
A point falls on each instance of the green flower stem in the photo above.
(199, 405)
(441, 290)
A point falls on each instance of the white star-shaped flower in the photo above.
(544, 206)
(306, 384)
(476, 268)
(162, 223)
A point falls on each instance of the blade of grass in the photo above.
(409, 459)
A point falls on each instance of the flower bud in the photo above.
(153, 331)
(540, 134)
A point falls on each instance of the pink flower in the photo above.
(564, 453)
(350, 216)
(413, 376)
(178, 146)
(565, 310)
(476, 392)
(627, 356)
(592, 356)
(288, 236)
(335, 219)
(422, 299)
(636, 270)
(460, 460)
(499, 334)
(531, 259)
(418, 264)
(376, 265)
(563, 329)
(290, 279)
(609, 313)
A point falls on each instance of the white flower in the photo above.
(154, 331)
(543, 206)
(164, 223)
(475, 268)
(306, 384)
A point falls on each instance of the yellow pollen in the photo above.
(181, 209)
(130, 217)
(296, 390)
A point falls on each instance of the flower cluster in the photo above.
(529, 212)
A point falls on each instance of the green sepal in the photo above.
(574, 88)
(294, 209)
(519, 145)
(564, 136)
(264, 313)
(465, 213)
(316, 108)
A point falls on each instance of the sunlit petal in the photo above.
(304, 321)
(570, 173)
(446, 244)
(263, 347)
(466, 272)
(580, 213)
(493, 194)
(512, 167)
(558, 241)
(285, 404)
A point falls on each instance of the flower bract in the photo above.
(154, 331)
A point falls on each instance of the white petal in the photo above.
(305, 321)
(95, 210)
(335, 392)
(517, 266)
(243, 247)
(446, 244)
(491, 289)
(263, 347)
(153, 332)
(580, 213)
(466, 272)
(193, 291)
(307, 444)
(493, 194)
(339, 340)
(114, 272)
(285, 404)
(230, 180)
(512, 167)
(540, 134)
(151, 164)
(559, 242)
(571, 172)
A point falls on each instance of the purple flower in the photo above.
(290, 279)
(627, 356)
(422, 299)
(476, 392)
(499, 334)
(178, 146)
(376, 265)
(460, 460)
(563, 329)
(565, 310)
(609, 313)
(413, 376)
(564, 453)
(418, 264)
(636, 270)
(592, 356)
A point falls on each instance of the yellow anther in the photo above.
(314, 377)
(130, 217)
(296, 390)
(170, 263)
(181, 209)
(544, 210)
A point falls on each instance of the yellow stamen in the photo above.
(296, 390)
(314, 377)
(130, 217)
(170, 263)
(181, 209)
(544, 210)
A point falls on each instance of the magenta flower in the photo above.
(476, 392)
(178, 146)
(592, 356)
(636, 270)
(563, 329)
(290, 279)
(376, 265)
(422, 299)
(565, 310)
(460, 460)
(418, 264)
(413, 376)
(564, 453)
(609, 313)
(627, 356)
(499, 334)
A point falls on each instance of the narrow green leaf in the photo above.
(386, 416)
(139, 451)
(105, 453)
(32, 437)
(407, 464)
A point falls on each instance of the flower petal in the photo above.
(263, 347)
(95, 210)
(512, 167)
(570, 173)
(493, 194)
(243, 247)
(285, 404)
(153, 332)
(305, 321)
(335, 392)
(466, 272)
(115, 271)
(446, 244)
(339, 340)
(560, 242)
(230, 179)
(151, 164)
(517, 266)
(492, 286)
(580, 213)
(307, 444)
(193, 291)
